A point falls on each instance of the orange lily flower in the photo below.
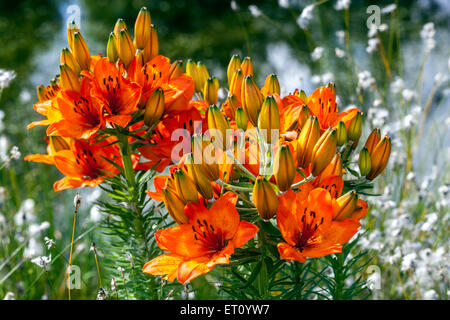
(54, 145)
(82, 115)
(119, 96)
(156, 74)
(207, 240)
(306, 224)
(48, 109)
(161, 151)
(322, 104)
(85, 164)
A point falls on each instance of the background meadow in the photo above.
(398, 74)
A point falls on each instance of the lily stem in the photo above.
(306, 180)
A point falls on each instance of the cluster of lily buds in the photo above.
(315, 139)
(375, 155)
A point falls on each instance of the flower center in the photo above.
(206, 233)
(307, 237)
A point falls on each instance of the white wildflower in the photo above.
(6, 76)
(102, 294)
(9, 296)
(339, 53)
(305, 17)
(234, 5)
(372, 45)
(77, 200)
(25, 213)
(14, 153)
(342, 5)
(4, 148)
(283, 3)
(120, 269)
(2, 194)
(409, 262)
(430, 295)
(427, 34)
(42, 261)
(340, 34)
(410, 176)
(317, 53)
(365, 79)
(372, 31)
(389, 8)
(430, 222)
(408, 94)
(397, 85)
(25, 96)
(383, 27)
(254, 10)
(33, 248)
(49, 242)
(95, 215)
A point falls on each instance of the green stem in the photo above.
(306, 180)
(232, 187)
(338, 269)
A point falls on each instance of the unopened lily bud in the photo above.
(334, 168)
(307, 139)
(236, 84)
(120, 25)
(380, 157)
(204, 158)
(210, 90)
(71, 29)
(271, 85)
(302, 95)
(247, 66)
(81, 51)
(230, 106)
(264, 198)
(346, 205)
(140, 57)
(284, 168)
(151, 48)
(111, 49)
(364, 162)
(184, 186)
(192, 71)
(355, 127)
(125, 48)
(235, 63)
(251, 99)
(202, 183)
(68, 59)
(176, 69)
(142, 28)
(58, 143)
(154, 108)
(202, 74)
(304, 116)
(241, 119)
(218, 125)
(69, 79)
(175, 206)
(341, 133)
(372, 140)
(323, 151)
(269, 118)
